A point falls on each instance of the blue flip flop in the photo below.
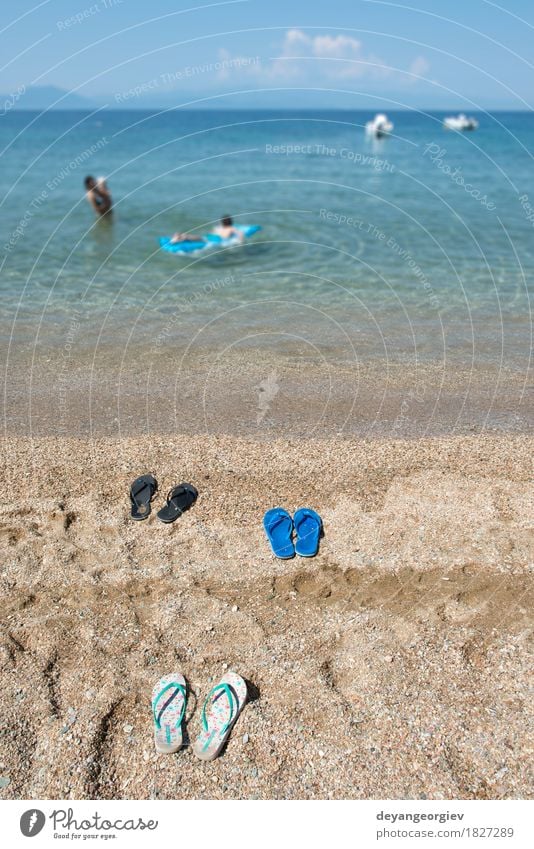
(308, 525)
(278, 526)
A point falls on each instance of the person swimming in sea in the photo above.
(225, 230)
(98, 195)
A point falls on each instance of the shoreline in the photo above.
(392, 665)
(258, 395)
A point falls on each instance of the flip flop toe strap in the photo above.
(179, 688)
(276, 522)
(172, 498)
(137, 490)
(215, 693)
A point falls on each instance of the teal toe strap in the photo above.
(158, 714)
(212, 696)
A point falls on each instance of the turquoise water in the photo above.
(370, 250)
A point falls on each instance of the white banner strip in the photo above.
(279, 824)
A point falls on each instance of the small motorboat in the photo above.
(380, 126)
(460, 122)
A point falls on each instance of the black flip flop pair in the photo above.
(179, 499)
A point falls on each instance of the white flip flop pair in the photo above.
(222, 706)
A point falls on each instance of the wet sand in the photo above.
(262, 394)
(393, 665)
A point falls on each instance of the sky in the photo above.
(472, 55)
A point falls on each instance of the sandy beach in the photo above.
(393, 665)
(287, 260)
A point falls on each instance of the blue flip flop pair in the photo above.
(279, 527)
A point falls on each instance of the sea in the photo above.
(388, 292)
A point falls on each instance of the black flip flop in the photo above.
(142, 492)
(179, 500)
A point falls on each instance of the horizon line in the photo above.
(166, 108)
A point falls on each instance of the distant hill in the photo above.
(52, 97)
(46, 97)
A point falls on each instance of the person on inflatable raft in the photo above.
(225, 230)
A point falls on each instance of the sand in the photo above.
(393, 665)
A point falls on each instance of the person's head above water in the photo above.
(89, 183)
(226, 221)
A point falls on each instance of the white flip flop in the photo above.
(222, 706)
(169, 698)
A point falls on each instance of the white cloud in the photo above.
(323, 57)
(419, 67)
(340, 57)
(297, 43)
(293, 40)
(342, 54)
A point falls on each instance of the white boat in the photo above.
(460, 122)
(379, 126)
